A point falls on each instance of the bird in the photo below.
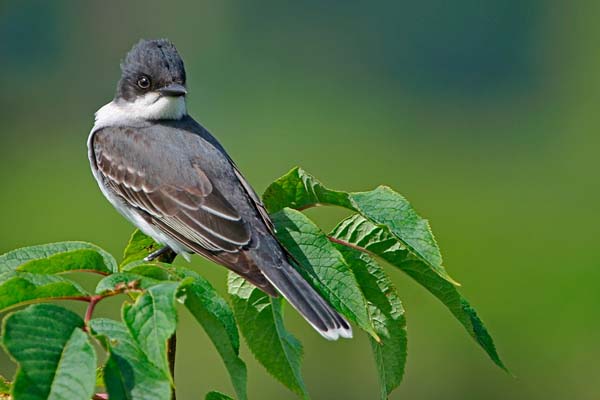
(166, 174)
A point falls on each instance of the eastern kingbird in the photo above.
(172, 179)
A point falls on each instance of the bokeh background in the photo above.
(484, 113)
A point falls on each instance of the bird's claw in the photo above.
(154, 255)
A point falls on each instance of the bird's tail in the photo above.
(296, 290)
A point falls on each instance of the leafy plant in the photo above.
(53, 345)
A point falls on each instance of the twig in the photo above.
(87, 299)
(307, 206)
(95, 299)
(91, 271)
(347, 244)
(90, 309)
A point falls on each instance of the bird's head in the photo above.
(152, 83)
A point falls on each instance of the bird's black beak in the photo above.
(174, 89)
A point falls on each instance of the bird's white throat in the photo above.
(151, 106)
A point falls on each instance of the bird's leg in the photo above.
(154, 255)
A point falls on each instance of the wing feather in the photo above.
(238, 262)
(187, 203)
(258, 204)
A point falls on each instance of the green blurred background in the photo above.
(483, 113)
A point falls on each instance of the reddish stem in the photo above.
(344, 243)
(87, 299)
(307, 206)
(93, 300)
(92, 271)
(90, 309)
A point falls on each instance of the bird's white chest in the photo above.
(149, 107)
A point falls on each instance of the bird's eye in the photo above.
(143, 82)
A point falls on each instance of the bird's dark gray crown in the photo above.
(158, 60)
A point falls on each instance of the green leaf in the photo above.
(217, 396)
(100, 377)
(124, 279)
(139, 247)
(387, 314)
(209, 309)
(152, 320)
(18, 288)
(298, 189)
(128, 374)
(385, 207)
(156, 270)
(86, 260)
(261, 322)
(56, 360)
(216, 317)
(382, 206)
(323, 265)
(359, 231)
(4, 386)
(16, 258)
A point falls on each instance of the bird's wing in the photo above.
(173, 189)
(163, 179)
(253, 197)
(258, 204)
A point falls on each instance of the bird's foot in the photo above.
(154, 255)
